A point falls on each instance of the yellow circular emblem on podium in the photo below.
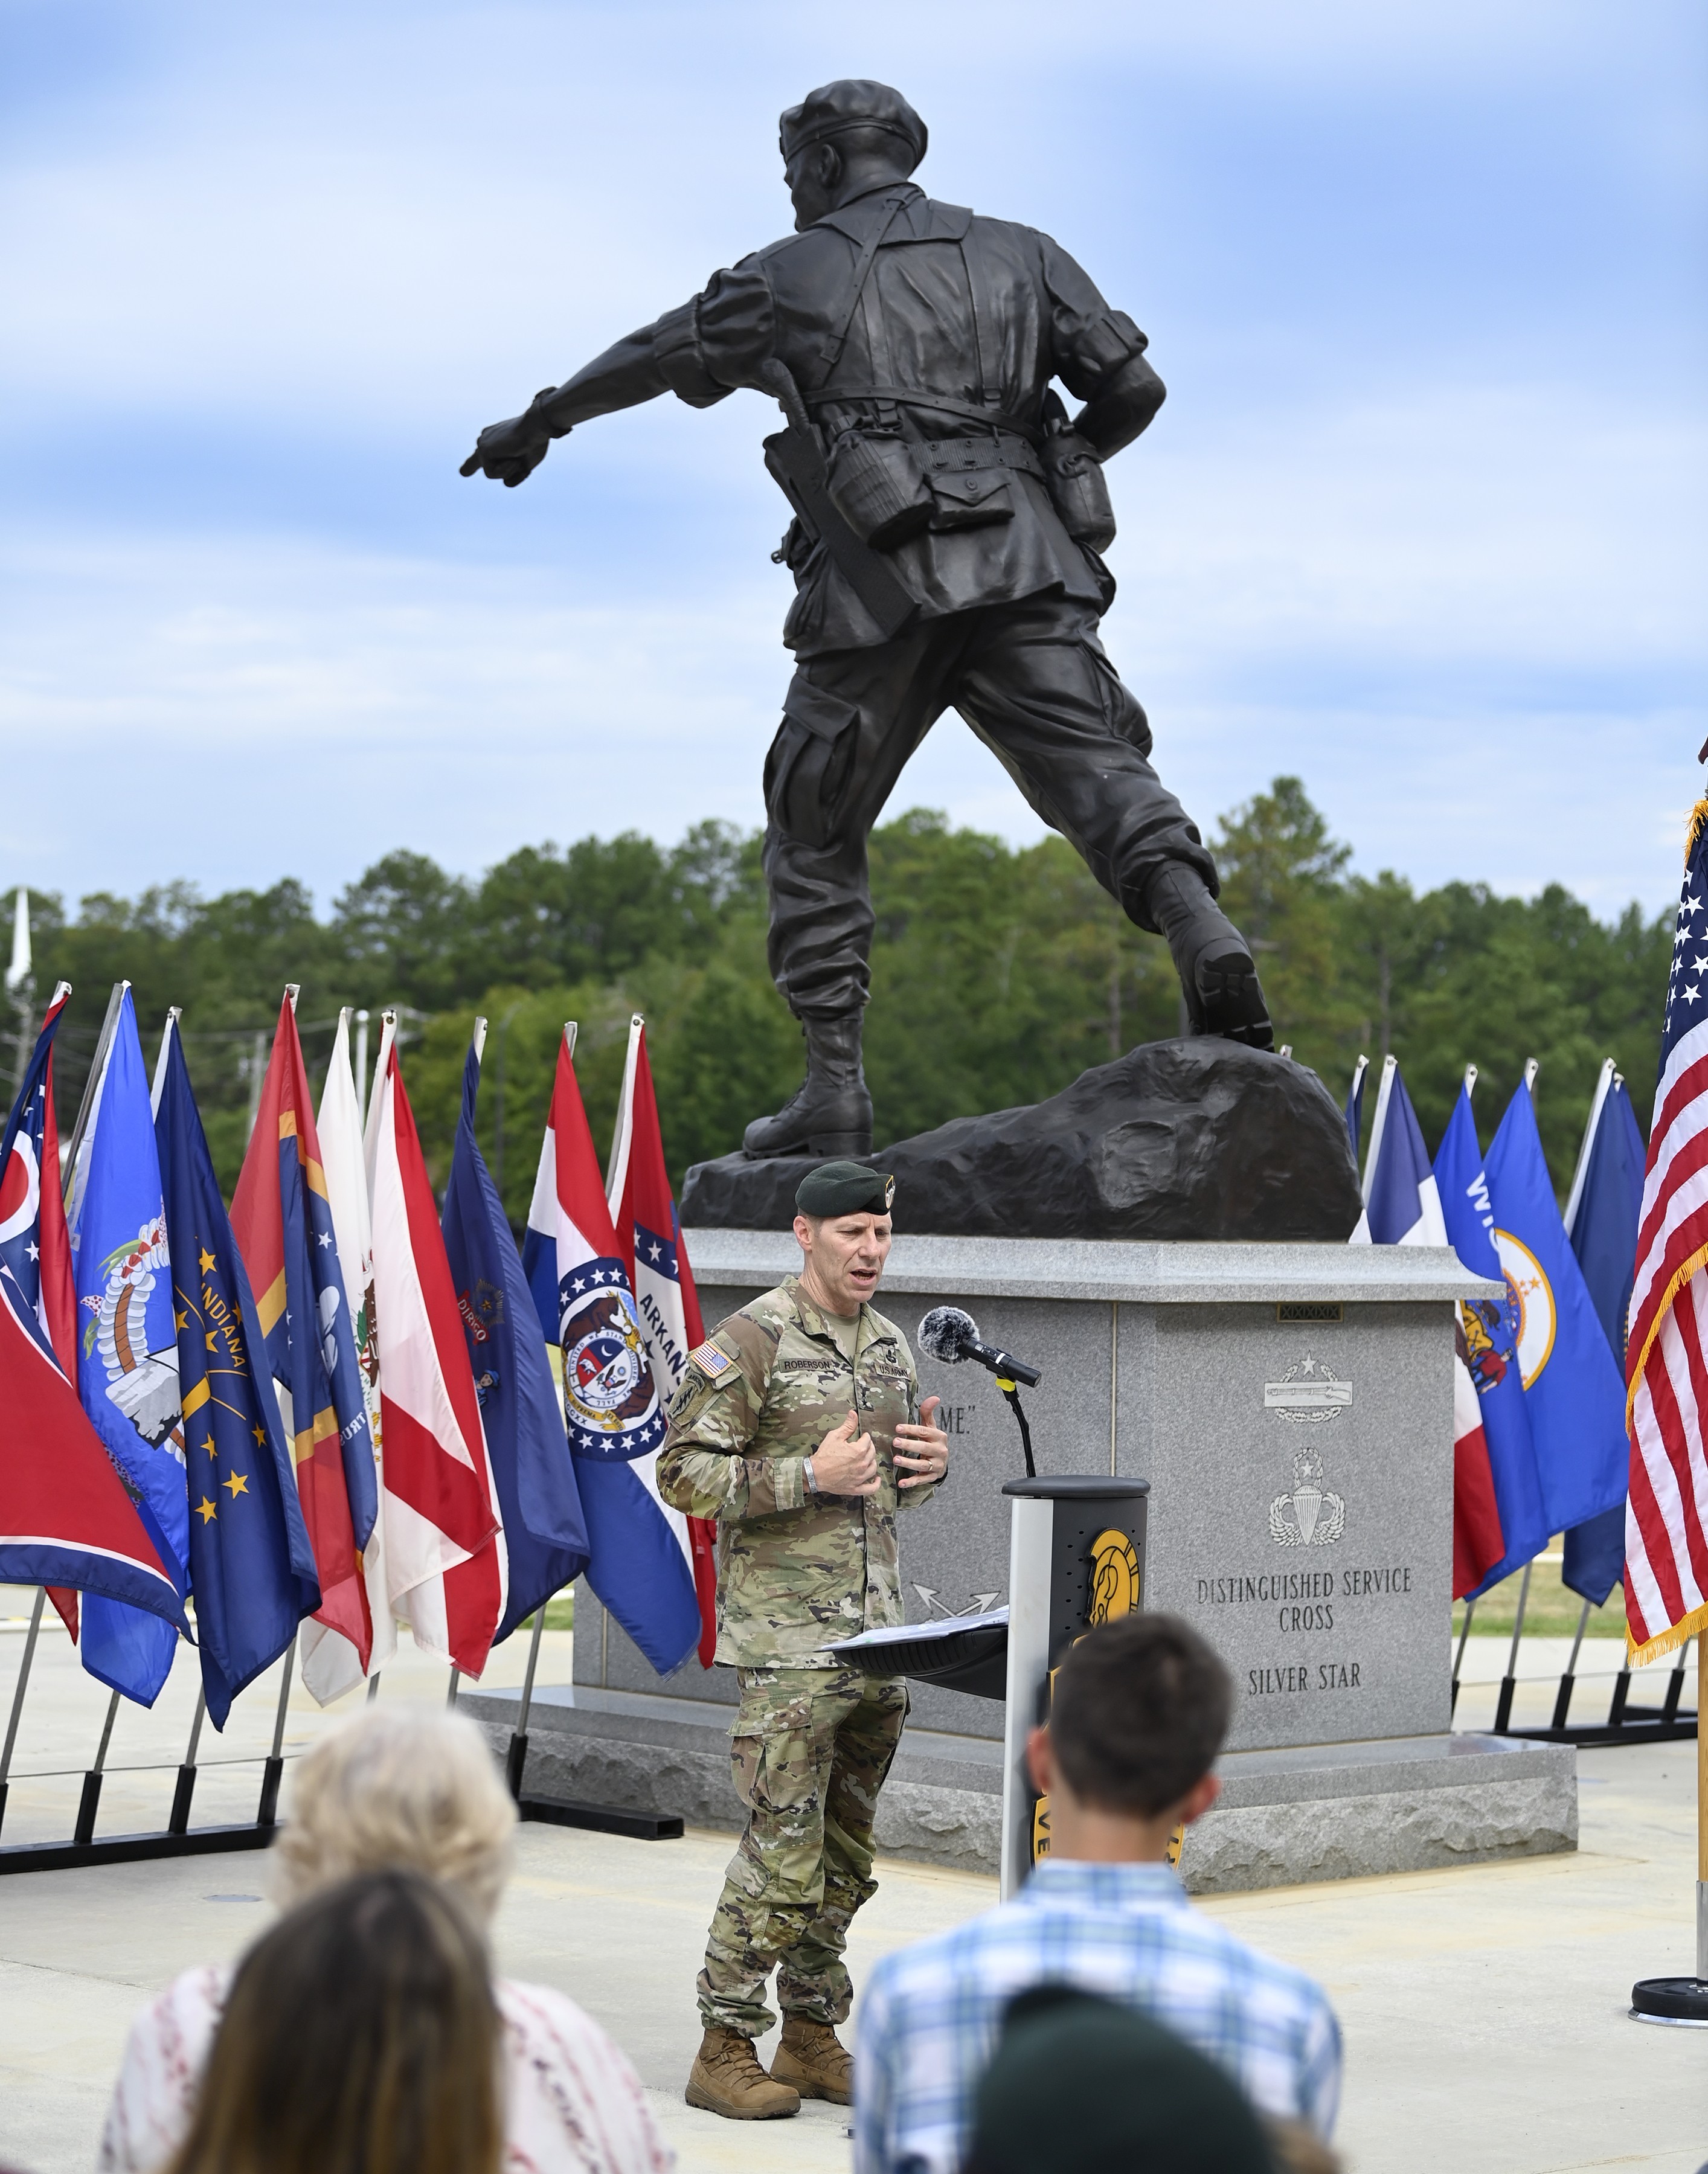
(1114, 1578)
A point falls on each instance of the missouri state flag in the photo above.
(636, 1564)
(68, 1520)
(1403, 1208)
(251, 1568)
(649, 1237)
(447, 1562)
(283, 1223)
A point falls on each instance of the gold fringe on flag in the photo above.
(1639, 1657)
(1699, 819)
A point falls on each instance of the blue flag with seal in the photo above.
(1573, 1391)
(544, 1529)
(1600, 1220)
(251, 1568)
(1491, 1345)
(127, 1351)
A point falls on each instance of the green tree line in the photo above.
(999, 974)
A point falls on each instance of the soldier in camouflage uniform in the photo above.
(799, 1429)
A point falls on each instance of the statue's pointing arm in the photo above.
(1100, 357)
(670, 356)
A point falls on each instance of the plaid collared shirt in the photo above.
(932, 2012)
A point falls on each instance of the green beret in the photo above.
(837, 107)
(845, 1188)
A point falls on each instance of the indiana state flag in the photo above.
(1602, 1219)
(544, 1529)
(1489, 1327)
(251, 1568)
(128, 1351)
(1573, 1389)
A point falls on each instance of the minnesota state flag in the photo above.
(251, 1567)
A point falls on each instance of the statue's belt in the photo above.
(934, 404)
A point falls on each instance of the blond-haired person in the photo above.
(408, 1787)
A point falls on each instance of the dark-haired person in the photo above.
(1139, 1712)
(798, 1427)
(360, 2037)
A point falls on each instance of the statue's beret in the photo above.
(852, 103)
(845, 1188)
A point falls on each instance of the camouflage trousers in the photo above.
(810, 1749)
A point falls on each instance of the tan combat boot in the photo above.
(727, 2079)
(815, 2061)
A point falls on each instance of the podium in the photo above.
(1076, 1558)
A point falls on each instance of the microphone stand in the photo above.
(1011, 1394)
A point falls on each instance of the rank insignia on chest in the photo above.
(710, 1360)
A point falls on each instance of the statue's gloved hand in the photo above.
(510, 452)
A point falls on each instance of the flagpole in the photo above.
(18, 1694)
(266, 1814)
(97, 1066)
(1603, 1087)
(1562, 1704)
(478, 1038)
(174, 1014)
(1459, 1657)
(517, 1759)
(1702, 1816)
(83, 1833)
(179, 1822)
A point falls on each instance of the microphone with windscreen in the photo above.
(951, 1335)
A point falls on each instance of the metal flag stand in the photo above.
(1625, 1725)
(178, 1838)
(1684, 2000)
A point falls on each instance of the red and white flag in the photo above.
(649, 1239)
(446, 1565)
(1667, 1353)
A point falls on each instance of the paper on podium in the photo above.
(961, 1652)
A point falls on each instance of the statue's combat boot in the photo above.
(813, 2060)
(831, 1115)
(1218, 973)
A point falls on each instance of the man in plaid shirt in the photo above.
(1139, 1713)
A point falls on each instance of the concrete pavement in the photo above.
(1483, 2008)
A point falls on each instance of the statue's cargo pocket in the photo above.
(876, 485)
(811, 764)
(1079, 491)
(971, 497)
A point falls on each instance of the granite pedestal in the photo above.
(1291, 1406)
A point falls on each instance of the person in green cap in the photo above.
(799, 1429)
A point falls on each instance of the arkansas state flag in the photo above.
(66, 1520)
(282, 1223)
(648, 1236)
(446, 1561)
(636, 1564)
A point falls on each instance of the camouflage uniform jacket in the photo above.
(794, 1570)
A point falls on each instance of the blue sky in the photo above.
(1423, 520)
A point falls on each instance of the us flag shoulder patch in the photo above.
(710, 1360)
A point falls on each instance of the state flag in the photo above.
(446, 1559)
(284, 1224)
(636, 1564)
(67, 1520)
(1573, 1389)
(1489, 1328)
(1402, 1207)
(544, 1531)
(649, 1237)
(128, 1350)
(251, 1568)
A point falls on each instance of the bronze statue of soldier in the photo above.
(948, 522)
